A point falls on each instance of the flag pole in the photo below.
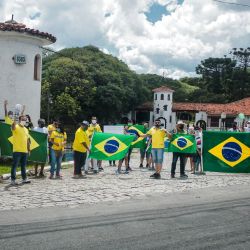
(202, 172)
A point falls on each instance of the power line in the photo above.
(239, 4)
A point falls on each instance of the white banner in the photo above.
(113, 129)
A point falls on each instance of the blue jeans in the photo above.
(157, 155)
(56, 161)
(22, 158)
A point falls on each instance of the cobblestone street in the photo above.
(107, 186)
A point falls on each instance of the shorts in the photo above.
(143, 152)
(157, 154)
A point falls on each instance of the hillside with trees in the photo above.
(81, 82)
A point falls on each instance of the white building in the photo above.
(209, 115)
(20, 66)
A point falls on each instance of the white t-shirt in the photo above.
(41, 130)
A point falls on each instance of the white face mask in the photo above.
(23, 123)
(248, 125)
(11, 117)
(93, 121)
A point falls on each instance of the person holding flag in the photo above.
(80, 148)
(145, 150)
(58, 139)
(176, 155)
(157, 135)
(93, 127)
(21, 148)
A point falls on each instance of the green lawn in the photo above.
(5, 169)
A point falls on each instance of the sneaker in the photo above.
(129, 168)
(25, 181)
(110, 165)
(41, 175)
(153, 175)
(157, 176)
(95, 171)
(172, 176)
(51, 176)
(13, 183)
(101, 169)
(59, 176)
(126, 172)
(147, 166)
(114, 165)
(118, 171)
(141, 166)
(183, 176)
(86, 172)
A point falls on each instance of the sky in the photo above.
(166, 37)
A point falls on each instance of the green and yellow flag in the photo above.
(105, 146)
(182, 143)
(137, 131)
(226, 152)
(38, 144)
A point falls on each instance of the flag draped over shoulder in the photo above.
(182, 143)
(226, 152)
(137, 130)
(105, 146)
(38, 144)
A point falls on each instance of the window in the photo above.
(165, 107)
(162, 96)
(169, 97)
(155, 96)
(157, 111)
(37, 67)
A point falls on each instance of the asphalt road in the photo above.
(205, 219)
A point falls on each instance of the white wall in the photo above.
(160, 104)
(17, 82)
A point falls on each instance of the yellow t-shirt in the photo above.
(92, 129)
(157, 137)
(58, 138)
(8, 120)
(20, 139)
(80, 137)
(51, 128)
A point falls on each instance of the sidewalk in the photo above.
(107, 186)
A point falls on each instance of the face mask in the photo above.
(23, 123)
(93, 121)
(11, 117)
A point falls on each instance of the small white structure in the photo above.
(20, 66)
(163, 102)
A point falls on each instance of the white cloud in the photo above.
(193, 31)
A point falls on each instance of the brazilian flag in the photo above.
(38, 144)
(182, 143)
(106, 146)
(137, 131)
(226, 152)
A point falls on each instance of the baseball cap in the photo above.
(180, 122)
(85, 123)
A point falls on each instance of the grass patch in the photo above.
(5, 169)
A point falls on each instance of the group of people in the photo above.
(153, 150)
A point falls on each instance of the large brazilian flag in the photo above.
(182, 143)
(226, 152)
(137, 131)
(106, 146)
(38, 144)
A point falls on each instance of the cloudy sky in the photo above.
(156, 36)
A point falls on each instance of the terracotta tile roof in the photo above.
(19, 27)
(233, 108)
(163, 89)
